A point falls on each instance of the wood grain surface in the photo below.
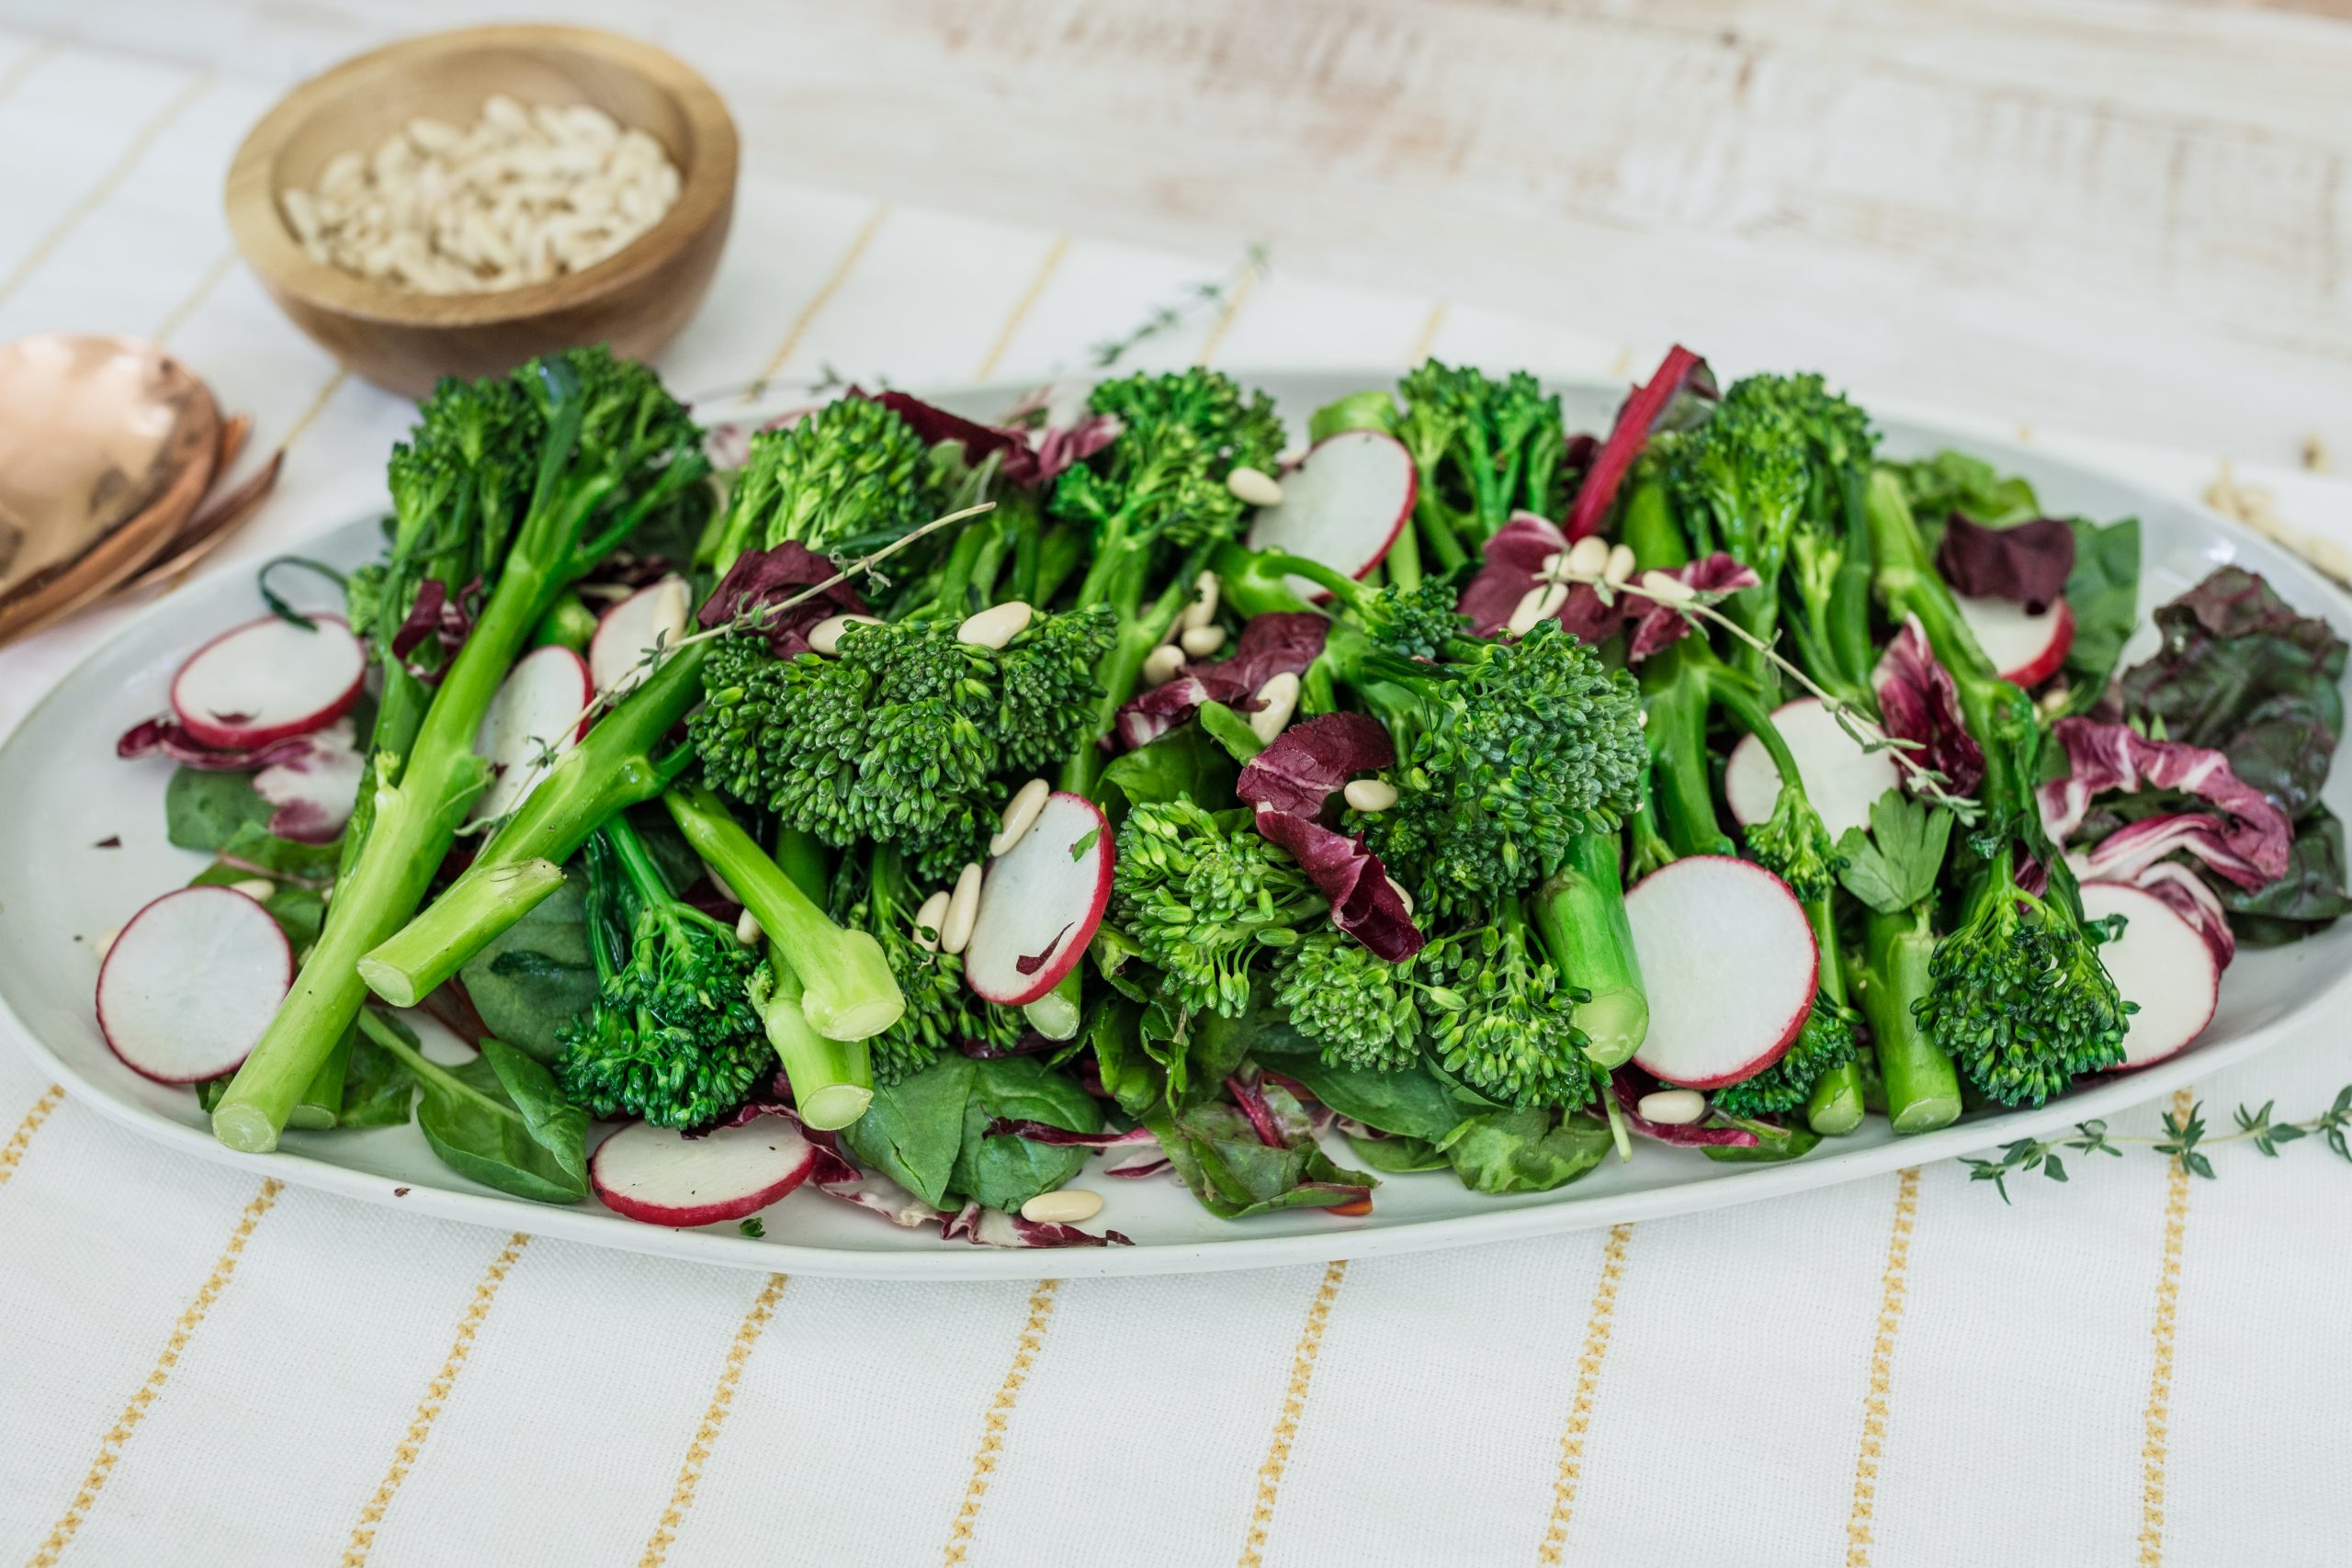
(2118, 216)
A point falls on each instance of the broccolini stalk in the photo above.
(1898, 952)
(2018, 996)
(1580, 914)
(673, 1037)
(1834, 1106)
(611, 446)
(832, 1080)
(1483, 448)
(848, 992)
(624, 760)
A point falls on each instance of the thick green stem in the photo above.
(322, 1103)
(850, 991)
(1121, 668)
(1675, 688)
(832, 1080)
(1581, 915)
(1922, 1089)
(616, 767)
(1836, 1105)
(1055, 1014)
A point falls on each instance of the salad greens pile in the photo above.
(1371, 771)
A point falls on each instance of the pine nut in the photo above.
(1549, 567)
(1202, 641)
(996, 626)
(1619, 570)
(1402, 897)
(963, 909)
(1069, 1206)
(719, 883)
(929, 918)
(1019, 816)
(1588, 558)
(1160, 666)
(1278, 699)
(1672, 1107)
(1370, 794)
(1540, 602)
(1254, 487)
(1666, 590)
(1202, 609)
(825, 637)
(260, 889)
(747, 929)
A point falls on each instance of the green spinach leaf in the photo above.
(913, 1130)
(499, 1119)
(2103, 595)
(1217, 1155)
(203, 810)
(1182, 764)
(1525, 1151)
(1408, 1103)
(536, 974)
(1006, 1172)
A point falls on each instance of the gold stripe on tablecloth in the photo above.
(428, 1409)
(1055, 253)
(89, 199)
(817, 302)
(1597, 1327)
(1891, 1288)
(2155, 1450)
(12, 1154)
(111, 1446)
(27, 63)
(1000, 1413)
(1426, 339)
(1302, 1383)
(722, 1400)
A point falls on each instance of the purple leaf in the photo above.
(1310, 759)
(2254, 844)
(1062, 1137)
(312, 787)
(2025, 563)
(994, 1227)
(1918, 701)
(1658, 626)
(1029, 963)
(1026, 456)
(767, 578)
(1270, 645)
(1364, 903)
(1253, 1106)
(1513, 564)
(437, 615)
(166, 738)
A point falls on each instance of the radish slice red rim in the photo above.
(1730, 965)
(1343, 505)
(653, 616)
(1841, 779)
(2161, 963)
(191, 983)
(269, 678)
(1041, 903)
(2026, 649)
(661, 1178)
(545, 692)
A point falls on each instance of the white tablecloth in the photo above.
(2135, 1367)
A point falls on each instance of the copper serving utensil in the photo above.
(106, 445)
(211, 527)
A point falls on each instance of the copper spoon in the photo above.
(106, 445)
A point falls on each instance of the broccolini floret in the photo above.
(851, 471)
(1359, 1009)
(1505, 1020)
(1793, 845)
(1206, 898)
(1824, 1044)
(1484, 448)
(673, 1036)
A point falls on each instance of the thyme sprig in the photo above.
(1166, 318)
(2184, 1142)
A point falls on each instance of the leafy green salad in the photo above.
(963, 819)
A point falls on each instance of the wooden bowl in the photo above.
(636, 299)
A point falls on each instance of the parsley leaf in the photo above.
(1895, 866)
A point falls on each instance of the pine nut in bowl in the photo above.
(457, 203)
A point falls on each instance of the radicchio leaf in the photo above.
(1062, 1137)
(1268, 646)
(1659, 627)
(994, 1227)
(1650, 406)
(168, 738)
(1629, 1096)
(1364, 903)
(1026, 457)
(1512, 565)
(2025, 563)
(771, 577)
(436, 614)
(1918, 701)
(2255, 840)
(312, 787)
(1310, 759)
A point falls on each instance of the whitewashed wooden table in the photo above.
(2123, 225)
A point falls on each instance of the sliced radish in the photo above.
(314, 786)
(650, 618)
(1840, 778)
(2026, 649)
(539, 705)
(2159, 962)
(664, 1177)
(1041, 902)
(191, 983)
(269, 678)
(1729, 962)
(1343, 506)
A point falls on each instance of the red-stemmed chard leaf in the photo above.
(1681, 371)
(1918, 701)
(2256, 838)
(2025, 563)
(762, 577)
(1270, 645)
(1025, 457)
